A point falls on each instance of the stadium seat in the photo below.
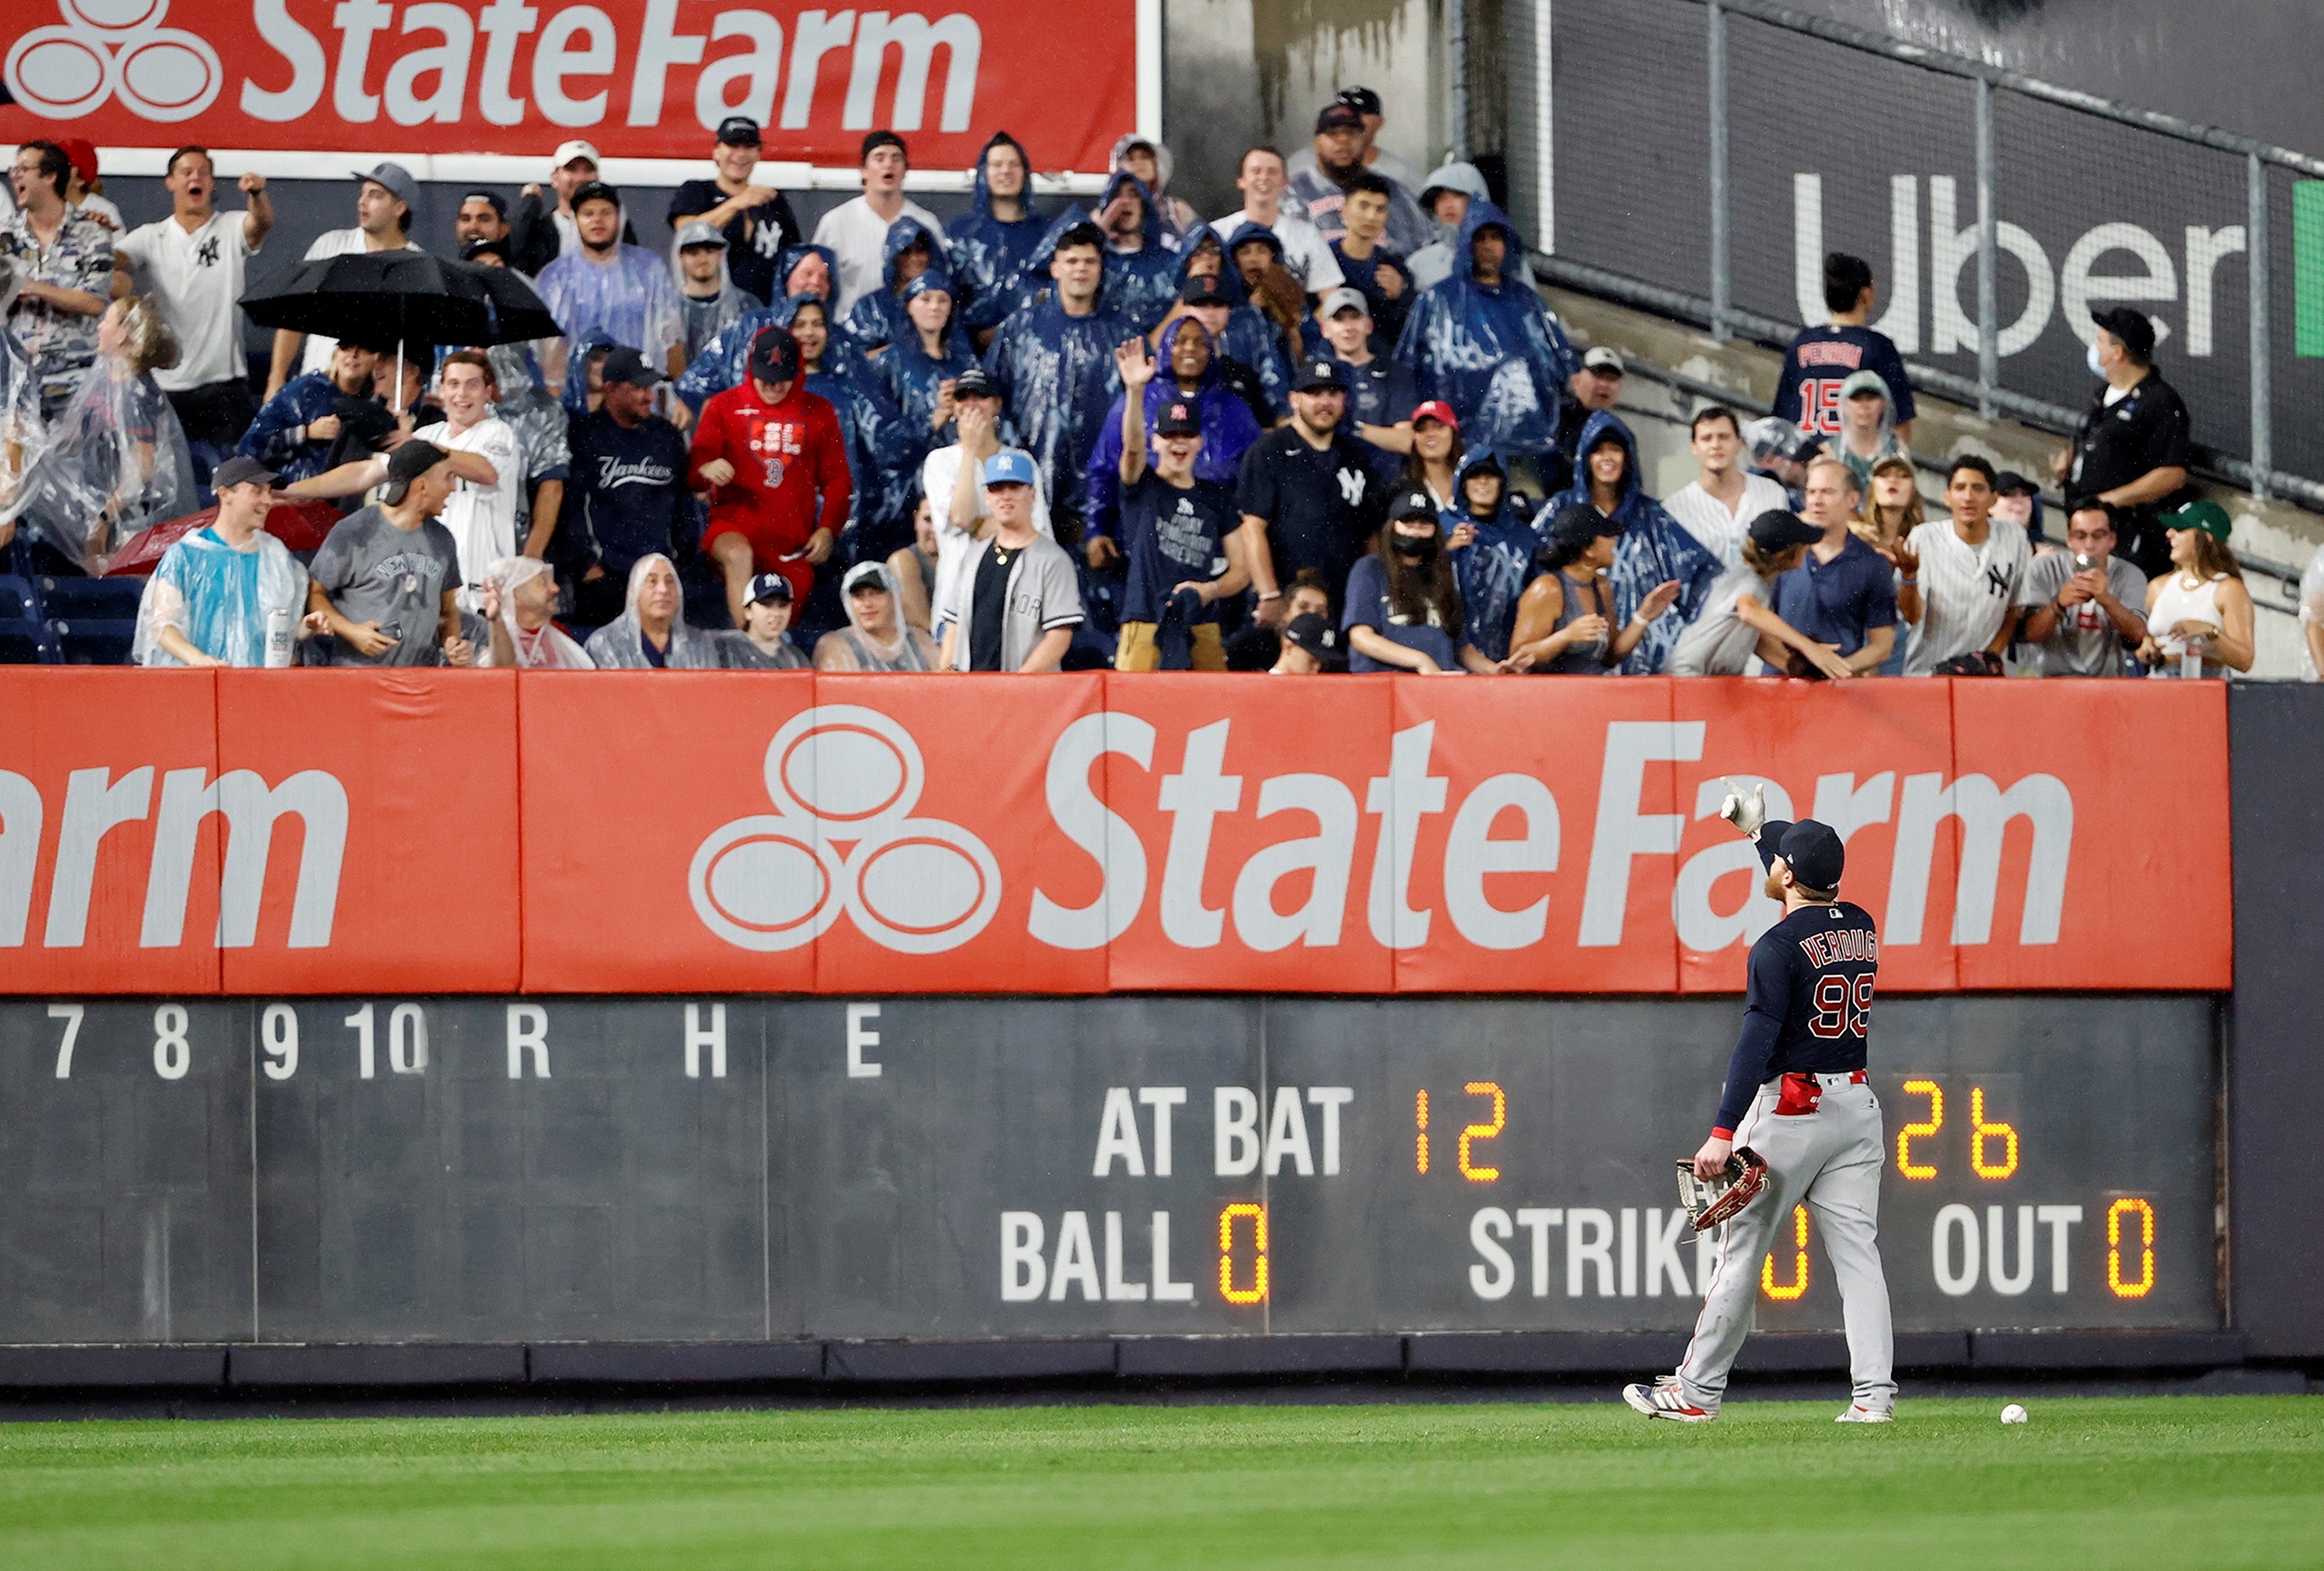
(91, 621)
(23, 633)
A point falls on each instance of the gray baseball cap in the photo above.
(696, 232)
(1344, 299)
(396, 179)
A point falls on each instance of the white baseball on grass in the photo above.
(2013, 1414)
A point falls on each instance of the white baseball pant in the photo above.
(1830, 1160)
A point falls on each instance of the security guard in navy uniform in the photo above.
(2132, 451)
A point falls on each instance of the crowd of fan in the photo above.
(1338, 429)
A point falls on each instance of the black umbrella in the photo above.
(419, 296)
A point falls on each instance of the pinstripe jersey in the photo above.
(1966, 590)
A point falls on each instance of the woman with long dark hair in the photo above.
(1565, 617)
(1433, 465)
(1404, 610)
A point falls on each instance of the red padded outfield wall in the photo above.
(253, 832)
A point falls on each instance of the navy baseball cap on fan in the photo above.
(1315, 635)
(407, 464)
(1413, 503)
(1008, 468)
(1779, 529)
(1340, 115)
(974, 382)
(1809, 848)
(1319, 375)
(627, 364)
(1205, 289)
(768, 586)
(475, 249)
(1362, 100)
(1179, 419)
(775, 356)
(596, 190)
(739, 131)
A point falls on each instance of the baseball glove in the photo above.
(1714, 1201)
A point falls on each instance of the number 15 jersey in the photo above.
(1808, 1009)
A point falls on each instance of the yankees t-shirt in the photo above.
(1966, 590)
(755, 237)
(1819, 359)
(195, 276)
(375, 572)
(1322, 506)
(1172, 537)
(628, 499)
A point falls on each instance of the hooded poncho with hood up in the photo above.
(546, 648)
(1653, 548)
(22, 434)
(877, 319)
(723, 359)
(1493, 569)
(620, 644)
(575, 395)
(1490, 350)
(114, 462)
(912, 382)
(987, 252)
(1140, 284)
(1056, 375)
(1227, 429)
(1887, 447)
(1250, 339)
(1179, 218)
(1432, 262)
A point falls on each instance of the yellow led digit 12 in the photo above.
(1982, 1132)
(2145, 1214)
(1483, 1131)
(1913, 1131)
(1257, 1288)
(1798, 1286)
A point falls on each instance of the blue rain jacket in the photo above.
(989, 255)
(271, 439)
(878, 320)
(1493, 569)
(1141, 284)
(1250, 338)
(1228, 430)
(911, 381)
(1653, 547)
(1056, 376)
(1491, 351)
(574, 396)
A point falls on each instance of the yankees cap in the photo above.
(627, 364)
(739, 131)
(1179, 419)
(1320, 376)
(596, 190)
(768, 586)
(1315, 635)
(1205, 289)
(974, 382)
(1413, 503)
(1778, 528)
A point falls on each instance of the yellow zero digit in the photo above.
(1982, 1132)
(1784, 1293)
(2145, 1282)
(1227, 1218)
(1913, 1131)
(1420, 1139)
(1483, 1131)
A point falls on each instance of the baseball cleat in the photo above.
(1859, 1414)
(1663, 1400)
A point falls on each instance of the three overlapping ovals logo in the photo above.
(113, 49)
(843, 840)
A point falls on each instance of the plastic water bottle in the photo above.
(2191, 662)
(278, 638)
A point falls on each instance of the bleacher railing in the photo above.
(1700, 156)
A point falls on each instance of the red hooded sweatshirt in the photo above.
(787, 458)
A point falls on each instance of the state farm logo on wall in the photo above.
(107, 50)
(643, 78)
(844, 780)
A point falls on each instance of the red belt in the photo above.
(1801, 1093)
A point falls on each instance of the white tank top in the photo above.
(2184, 600)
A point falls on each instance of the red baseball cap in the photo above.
(1437, 410)
(81, 153)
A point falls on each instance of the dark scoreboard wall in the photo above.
(468, 1170)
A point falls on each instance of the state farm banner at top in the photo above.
(640, 78)
(255, 832)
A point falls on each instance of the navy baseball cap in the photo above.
(1413, 503)
(974, 382)
(768, 586)
(1205, 289)
(1179, 419)
(1319, 375)
(1578, 523)
(1340, 115)
(596, 190)
(1779, 529)
(241, 471)
(1362, 100)
(1811, 849)
(407, 464)
(739, 131)
(1008, 468)
(1315, 635)
(626, 364)
(775, 356)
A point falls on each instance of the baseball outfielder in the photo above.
(1797, 1094)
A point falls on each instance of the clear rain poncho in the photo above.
(1141, 284)
(631, 299)
(22, 434)
(1653, 548)
(218, 596)
(1492, 570)
(1056, 375)
(538, 418)
(546, 648)
(114, 465)
(1490, 350)
(620, 644)
(988, 253)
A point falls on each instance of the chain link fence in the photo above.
(1703, 155)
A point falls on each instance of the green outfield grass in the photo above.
(2179, 1483)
